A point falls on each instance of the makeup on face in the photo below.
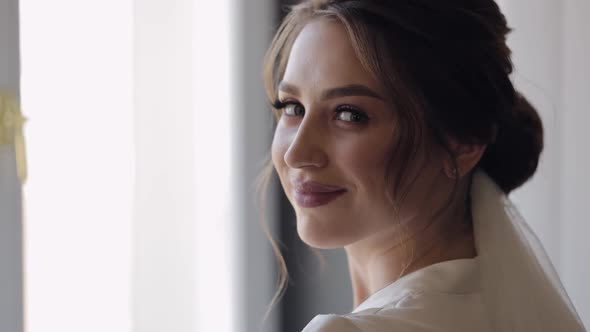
(329, 148)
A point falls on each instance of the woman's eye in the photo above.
(290, 108)
(294, 109)
(349, 114)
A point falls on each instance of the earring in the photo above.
(452, 173)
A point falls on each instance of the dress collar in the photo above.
(458, 276)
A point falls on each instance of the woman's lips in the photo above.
(310, 194)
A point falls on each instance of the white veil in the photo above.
(519, 284)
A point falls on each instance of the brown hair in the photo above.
(446, 67)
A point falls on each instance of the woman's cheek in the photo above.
(366, 167)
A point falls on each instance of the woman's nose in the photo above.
(307, 149)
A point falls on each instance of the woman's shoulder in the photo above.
(416, 313)
(330, 323)
(396, 319)
(364, 323)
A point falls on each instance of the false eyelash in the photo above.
(278, 104)
(346, 107)
(353, 109)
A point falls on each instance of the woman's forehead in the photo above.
(322, 56)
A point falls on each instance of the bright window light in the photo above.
(77, 94)
(81, 201)
(216, 238)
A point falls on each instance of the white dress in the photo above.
(441, 297)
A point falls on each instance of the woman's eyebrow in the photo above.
(343, 91)
(350, 90)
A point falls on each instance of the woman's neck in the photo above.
(371, 269)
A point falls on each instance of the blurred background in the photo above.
(147, 126)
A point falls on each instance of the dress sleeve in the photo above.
(330, 323)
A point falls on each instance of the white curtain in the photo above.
(551, 48)
(76, 92)
(147, 125)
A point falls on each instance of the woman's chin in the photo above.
(320, 235)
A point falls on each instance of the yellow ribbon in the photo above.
(11, 131)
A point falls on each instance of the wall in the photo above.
(11, 264)
(575, 154)
(254, 28)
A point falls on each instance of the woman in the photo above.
(399, 134)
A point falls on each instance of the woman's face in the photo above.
(332, 140)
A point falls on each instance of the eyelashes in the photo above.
(290, 108)
(278, 104)
(344, 112)
(350, 113)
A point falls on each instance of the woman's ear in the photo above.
(466, 156)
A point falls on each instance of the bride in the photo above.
(399, 135)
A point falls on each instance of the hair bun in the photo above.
(514, 156)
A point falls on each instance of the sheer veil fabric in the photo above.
(520, 287)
